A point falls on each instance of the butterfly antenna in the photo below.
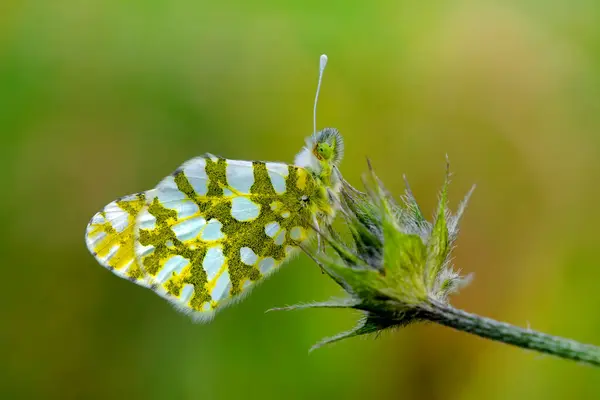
(322, 64)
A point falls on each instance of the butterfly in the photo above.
(215, 227)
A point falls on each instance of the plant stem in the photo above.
(502, 332)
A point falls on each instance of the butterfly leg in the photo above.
(320, 242)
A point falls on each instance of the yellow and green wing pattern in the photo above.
(205, 234)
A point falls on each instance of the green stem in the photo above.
(510, 334)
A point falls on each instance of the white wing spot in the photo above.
(240, 175)
(118, 217)
(145, 220)
(297, 233)
(98, 218)
(166, 192)
(195, 172)
(244, 209)
(186, 208)
(280, 238)
(174, 264)
(213, 261)
(277, 173)
(266, 264)
(219, 292)
(142, 251)
(213, 230)
(271, 229)
(248, 256)
(189, 228)
(186, 293)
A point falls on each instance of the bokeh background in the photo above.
(103, 98)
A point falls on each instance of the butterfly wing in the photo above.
(206, 234)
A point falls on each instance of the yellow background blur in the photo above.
(99, 99)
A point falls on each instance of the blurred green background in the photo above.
(103, 98)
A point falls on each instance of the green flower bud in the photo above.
(393, 260)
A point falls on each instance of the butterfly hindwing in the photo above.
(215, 227)
(110, 237)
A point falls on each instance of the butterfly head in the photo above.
(323, 152)
(328, 146)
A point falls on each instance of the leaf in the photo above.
(370, 323)
(438, 246)
(333, 303)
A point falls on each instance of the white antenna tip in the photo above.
(322, 62)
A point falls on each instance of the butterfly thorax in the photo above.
(321, 156)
